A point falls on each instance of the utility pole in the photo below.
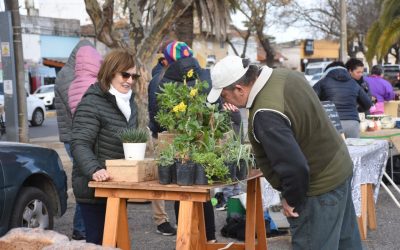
(13, 7)
(343, 31)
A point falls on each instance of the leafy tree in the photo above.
(384, 35)
(150, 21)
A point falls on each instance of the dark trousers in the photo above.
(327, 221)
(93, 216)
(208, 217)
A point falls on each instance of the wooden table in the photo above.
(191, 228)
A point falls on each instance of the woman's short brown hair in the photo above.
(117, 60)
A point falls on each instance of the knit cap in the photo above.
(177, 50)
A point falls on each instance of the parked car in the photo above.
(315, 68)
(33, 186)
(36, 110)
(46, 93)
(391, 72)
(315, 78)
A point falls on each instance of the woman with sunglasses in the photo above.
(107, 107)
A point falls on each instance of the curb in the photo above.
(51, 113)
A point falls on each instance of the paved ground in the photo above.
(142, 229)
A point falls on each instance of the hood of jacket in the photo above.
(87, 64)
(177, 70)
(339, 74)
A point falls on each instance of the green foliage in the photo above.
(133, 135)
(166, 157)
(235, 151)
(184, 110)
(213, 165)
(384, 32)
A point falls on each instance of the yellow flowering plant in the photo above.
(184, 110)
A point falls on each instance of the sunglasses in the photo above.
(126, 75)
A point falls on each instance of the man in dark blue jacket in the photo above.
(336, 85)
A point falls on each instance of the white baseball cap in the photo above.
(225, 72)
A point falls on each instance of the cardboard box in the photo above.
(132, 171)
(392, 108)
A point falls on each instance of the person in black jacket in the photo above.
(336, 85)
(180, 60)
(107, 107)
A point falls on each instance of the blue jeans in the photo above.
(93, 216)
(327, 221)
(78, 225)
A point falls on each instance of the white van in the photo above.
(315, 69)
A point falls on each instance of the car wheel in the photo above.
(37, 117)
(32, 209)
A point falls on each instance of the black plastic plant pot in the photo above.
(232, 170)
(200, 175)
(164, 175)
(185, 173)
(173, 173)
(241, 170)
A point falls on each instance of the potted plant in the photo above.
(245, 161)
(184, 111)
(213, 165)
(134, 142)
(166, 165)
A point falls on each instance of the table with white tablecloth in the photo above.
(369, 159)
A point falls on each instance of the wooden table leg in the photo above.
(371, 207)
(202, 226)
(123, 240)
(260, 222)
(188, 231)
(111, 222)
(362, 220)
(250, 215)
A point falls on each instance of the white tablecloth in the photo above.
(369, 158)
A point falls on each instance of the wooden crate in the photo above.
(132, 171)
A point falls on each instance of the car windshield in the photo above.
(313, 71)
(391, 69)
(45, 89)
(316, 77)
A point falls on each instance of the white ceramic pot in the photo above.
(134, 151)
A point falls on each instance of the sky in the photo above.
(75, 9)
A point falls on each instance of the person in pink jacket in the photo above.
(87, 65)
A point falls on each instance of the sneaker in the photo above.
(166, 229)
(221, 204)
(78, 236)
(220, 207)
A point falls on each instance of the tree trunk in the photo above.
(13, 6)
(246, 40)
(232, 46)
(267, 47)
(184, 26)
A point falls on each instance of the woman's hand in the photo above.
(101, 175)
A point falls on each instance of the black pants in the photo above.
(208, 217)
(93, 217)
